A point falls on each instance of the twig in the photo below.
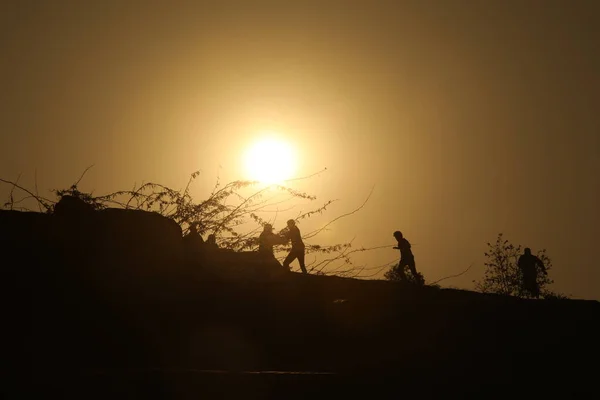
(306, 177)
(10, 196)
(82, 175)
(317, 231)
(36, 188)
(42, 200)
(453, 276)
(378, 268)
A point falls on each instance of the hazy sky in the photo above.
(469, 118)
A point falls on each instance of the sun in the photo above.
(270, 161)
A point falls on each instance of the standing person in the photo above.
(193, 242)
(266, 241)
(297, 250)
(406, 258)
(528, 264)
(211, 243)
(193, 237)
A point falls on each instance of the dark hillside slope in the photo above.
(98, 302)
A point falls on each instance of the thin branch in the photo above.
(82, 175)
(12, 189)
(36, 188)
(317, 231)
(43, 201)
(380, 266)
(306, 177)
(453, 276)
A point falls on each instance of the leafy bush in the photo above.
(393, 274)
(503, 276)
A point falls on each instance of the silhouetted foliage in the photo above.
(503, 276)
(393, 274)
(223, 213)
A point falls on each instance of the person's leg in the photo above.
(290, 257)
(530, 285)
(535, 286)
(300, 256)
(400, 269)
(413, 270)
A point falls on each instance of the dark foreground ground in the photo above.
(275, 385)
(298, 337)
(87, 313)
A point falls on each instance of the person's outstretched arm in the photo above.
(284, 236)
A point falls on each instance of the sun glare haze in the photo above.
(270, 161)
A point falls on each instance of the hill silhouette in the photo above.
(105, 303)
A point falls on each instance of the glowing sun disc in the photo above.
(270, 161)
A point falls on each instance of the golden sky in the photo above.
(468, 118)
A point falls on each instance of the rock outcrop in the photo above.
(79, 229)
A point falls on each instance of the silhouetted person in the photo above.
(528, 264)
(297, 250)
(267, 240)
(193, 238)
(406, 258)
(193, 242)
(211, 242)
